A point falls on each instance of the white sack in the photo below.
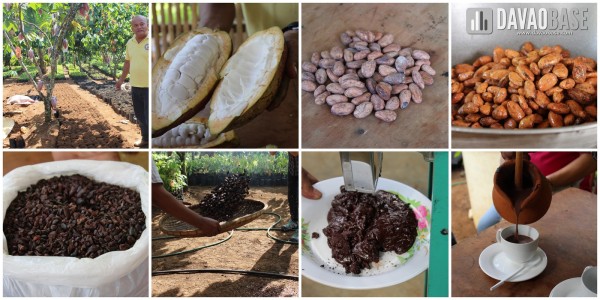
(20, 99)
(117, 273)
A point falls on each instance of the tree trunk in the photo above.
(42, 62)
(47, 107)
(114, 69)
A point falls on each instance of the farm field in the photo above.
(60, 66)
(85, 121)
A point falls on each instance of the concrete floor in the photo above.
(406, 167)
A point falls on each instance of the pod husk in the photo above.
(256, 105)
(161, 124)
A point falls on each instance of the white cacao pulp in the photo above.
(188, 68)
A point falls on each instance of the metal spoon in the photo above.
(501, 282)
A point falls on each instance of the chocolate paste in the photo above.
(361, 225)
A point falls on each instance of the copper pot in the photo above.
(537, 193)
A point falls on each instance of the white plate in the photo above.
(495, 264)
(569, 288)
(317, 261)
(566, 288)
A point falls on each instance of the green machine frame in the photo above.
(437, 275)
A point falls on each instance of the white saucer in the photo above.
(567, 288)
(495, 264)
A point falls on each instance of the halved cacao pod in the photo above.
(184, 78)
(250, 80)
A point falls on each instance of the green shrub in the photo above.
(59, 76)
(76, 74)
(14, 61)
(74, 69)
(9, 74)
(169, 168)
(23, 77)
(254, 163)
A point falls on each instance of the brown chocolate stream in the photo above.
(517, 196)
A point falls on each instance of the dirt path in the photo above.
(85, 120)
(246, 250)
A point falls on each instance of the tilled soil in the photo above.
(246, 250)
(119, 100)
(85, 121)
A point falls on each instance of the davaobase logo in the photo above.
(527, 20)
(480, 20)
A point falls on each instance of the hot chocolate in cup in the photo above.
(522, 249)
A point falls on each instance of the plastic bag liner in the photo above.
(116, 273)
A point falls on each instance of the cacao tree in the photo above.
(107, 31)
(6, 56)
(36, 33)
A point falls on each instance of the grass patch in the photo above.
(77, 74)
(59, 76)
(24, 78)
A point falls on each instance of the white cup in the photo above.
(588, 283)
(518, 252)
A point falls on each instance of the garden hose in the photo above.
(195, 249)
(270, 228)
(164, 237)
(226, 271)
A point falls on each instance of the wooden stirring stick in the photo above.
(519, 170)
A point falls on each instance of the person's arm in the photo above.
(217, 15)
(574, 171)
(124, 74)
(165, 201)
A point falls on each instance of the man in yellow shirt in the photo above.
(137, 63)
